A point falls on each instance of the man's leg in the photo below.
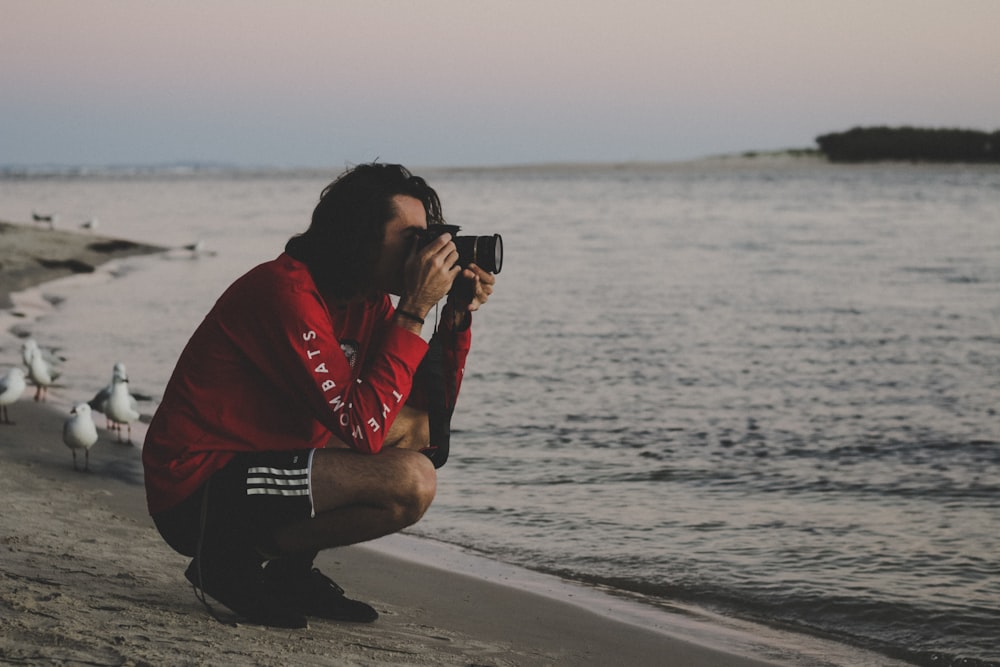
(232, 524)
(360, 497)
(356, 497)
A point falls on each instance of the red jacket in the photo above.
(274, 367)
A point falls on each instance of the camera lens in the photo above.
(486, 252)
(489, 250)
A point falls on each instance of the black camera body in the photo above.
(486, 252)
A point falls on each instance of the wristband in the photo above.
(410, 316)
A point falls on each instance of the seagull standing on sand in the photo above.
(79, 432)
(28, 347)
(99, 402)
(197, 249)
(48, 219)
(120, 406)
(40, 373)
(12, 385)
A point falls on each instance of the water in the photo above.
(765, 389)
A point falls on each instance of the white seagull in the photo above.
(28, 347)
(12, 385)
(99, 402)
(79, 432)
(195, 247)
(120, 406)
(40, 373)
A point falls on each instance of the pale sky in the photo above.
(479, 82)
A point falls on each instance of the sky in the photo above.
(318, 83)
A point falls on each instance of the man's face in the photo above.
(400, 233)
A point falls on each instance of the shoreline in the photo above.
(86, 578)
(31, 255)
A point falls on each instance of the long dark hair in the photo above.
(344, 239)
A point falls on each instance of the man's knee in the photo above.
(401, 481)
(417, 488)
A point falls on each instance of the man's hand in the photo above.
(473, 289)
(482, 286)
(429, 274)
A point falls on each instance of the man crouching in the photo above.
(297, 417)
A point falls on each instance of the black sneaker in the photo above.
(312, 593)
(247, 594)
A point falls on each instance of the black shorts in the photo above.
(247, 501)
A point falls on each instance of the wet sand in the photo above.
(33, 254)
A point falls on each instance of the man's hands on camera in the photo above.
(428, 274)
(476, 287)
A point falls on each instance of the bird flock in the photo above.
(114, 401)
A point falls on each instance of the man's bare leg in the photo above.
(360, 497)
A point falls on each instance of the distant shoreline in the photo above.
(185, 170)
(911, 144)
(207, 170)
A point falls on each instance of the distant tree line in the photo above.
(863, 144)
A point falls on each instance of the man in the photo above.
(296, 419)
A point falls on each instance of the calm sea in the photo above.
(765, 388)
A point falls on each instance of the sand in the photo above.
(30, 255)
(86, 579)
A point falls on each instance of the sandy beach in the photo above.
(85, 578)
(33, 254)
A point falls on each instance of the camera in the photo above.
(486, 252)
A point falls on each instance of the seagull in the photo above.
(40, 373)
(197, 249)
(120, 406)
(99, 402)
(11, 387)
(89, 224)
(49, 219)
(28, 347)
(79, 432)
